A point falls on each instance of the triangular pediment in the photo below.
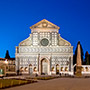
(44, 24)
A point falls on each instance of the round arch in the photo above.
(57, 69)
(44, 66)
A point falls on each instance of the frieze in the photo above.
(45, 50)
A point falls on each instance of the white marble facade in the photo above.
(44, 51)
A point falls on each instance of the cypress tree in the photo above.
(87, 58)
(7, 56)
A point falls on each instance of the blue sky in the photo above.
(16, 16)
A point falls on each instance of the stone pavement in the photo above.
(57, 84)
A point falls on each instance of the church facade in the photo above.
(44, 52)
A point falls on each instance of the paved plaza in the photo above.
(57, 84)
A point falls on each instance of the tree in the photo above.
(75, 55)
(7, 56)
(87, 58)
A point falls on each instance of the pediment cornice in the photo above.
(44, 24)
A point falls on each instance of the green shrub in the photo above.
(45, 78)
(4, 83)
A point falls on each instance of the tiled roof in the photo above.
(7, 59)
(2, 58)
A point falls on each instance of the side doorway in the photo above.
(30, 69)
(57, 69)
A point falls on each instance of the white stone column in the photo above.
(17, 64)
(72, 64)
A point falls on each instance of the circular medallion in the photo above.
(44, 42)
(44, 24)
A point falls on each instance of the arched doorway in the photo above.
(44, 67)
(57, 69)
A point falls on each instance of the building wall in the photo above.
(8, 66)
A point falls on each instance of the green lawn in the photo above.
(12, 82)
